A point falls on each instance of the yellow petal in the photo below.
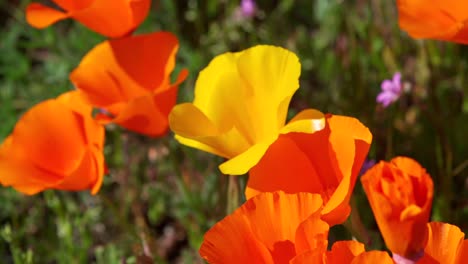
(187, 120)
(307, 121)
(271, 75)
(242, 163)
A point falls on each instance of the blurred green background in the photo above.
(160, 197)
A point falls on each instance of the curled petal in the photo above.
(41, 16)
(112, 18)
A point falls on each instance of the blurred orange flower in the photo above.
(400, 193)
(111, 18)
(55, 145)
(445, 245)
(434, 19)
(130, 79)
(325, 162)
(269, 228)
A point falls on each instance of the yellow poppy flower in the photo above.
(240, 106)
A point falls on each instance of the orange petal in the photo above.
(344, 252)
(269, 219)
(22, 176)
(372, 257)
(444, 242)
(350, 141)
(440, 20)
(312, 234)
(82, 178)
(143, 116)
(232, 241)
(49, 147)
(409, 166)
(50, 127)
(17, 171)
(325, 162)
(113, 18)
(463, 252)
(278, 215)
(140, 9)
(72, 5)
(98, 69)
(138, 58)
(166, 98)
(309, 257)
(137, 90)
(93, 131)
(99, 168)
(41, 16)
(128, 68)
(291, 173)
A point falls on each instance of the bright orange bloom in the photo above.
(111, 18)
(325, 162)
(280, 228)
(130, 78)
(445, 245)
(435, 19)
(343, 252)
(400, 193)
(269, 228)
(55, 145)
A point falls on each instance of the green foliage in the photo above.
(160, 197)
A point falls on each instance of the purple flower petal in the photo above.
(387, 85)
(391, 90)
(397, 82)
(248, 8)
(386, 98)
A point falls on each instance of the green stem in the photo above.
(232, 194)
(355, 225)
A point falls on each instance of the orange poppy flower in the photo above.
(111, 18)
(130, 79)
(445, 245)
(269, 228)
(281, 228)
(343, 252)
(55, 145)
(435, 19)
(400, 193)
(325, 162)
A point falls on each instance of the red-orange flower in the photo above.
(435, 19)
(445, 245)
(111, 18)
(400, 193)
(269, 228)
(130, 79)
(325, 162)
(55, 145)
